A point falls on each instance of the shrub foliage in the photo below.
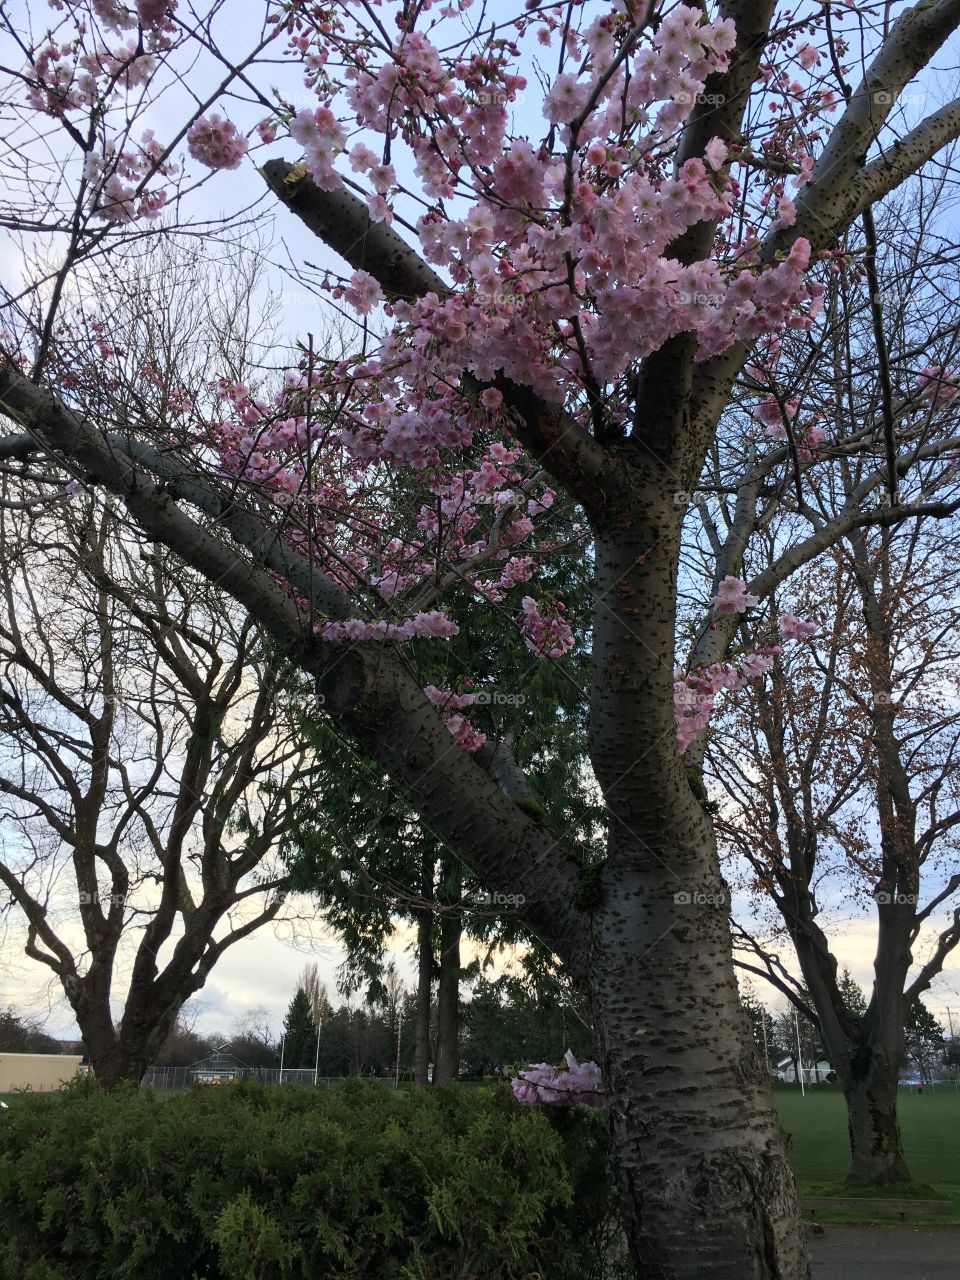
(252, 1182)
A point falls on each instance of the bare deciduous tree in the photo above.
(146, 773)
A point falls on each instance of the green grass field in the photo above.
(818, 1127)
(819, 1150)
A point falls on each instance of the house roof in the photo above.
(218, 1060)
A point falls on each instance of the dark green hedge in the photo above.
(253, 1182)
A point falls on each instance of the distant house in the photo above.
(218, 1067)
(813, 1072)
(40, 1072)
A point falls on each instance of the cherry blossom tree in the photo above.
(556, 298)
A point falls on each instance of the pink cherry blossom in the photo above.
(215, 142)
(572, 1084)
(363, 292)
(939, 385)
(794, 628)
(491, 399)
(716, 152)
(566, 99)
(732, 596)
(544, 635)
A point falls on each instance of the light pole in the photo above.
(282, 1047)
(766, 1051)
(316, 1065)
(396, 1081)
(953, 1050)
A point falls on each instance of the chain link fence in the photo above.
(186, 1077)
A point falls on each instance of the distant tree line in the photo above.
(21, 1034)
(508, 1021)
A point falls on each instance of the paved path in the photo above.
(886, 1253)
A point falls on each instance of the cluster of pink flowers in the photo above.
(446, 699)
(733, 597)
(519, 311)
(355, 630)
(116, 189)
(812, 436)
(66, 79)
(775, 417)
(470, 738)
(939, 385)
(771, 413)
(150, 14)
(548, 636)
(695, 692)
(362, 292)
(558, 252)
(216, 143)
(794, 628)
(451, 704)
(476, 519)
(322, 138)
(570, 1085)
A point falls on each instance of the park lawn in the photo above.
(819, 1150)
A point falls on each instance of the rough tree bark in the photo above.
(876, 1148)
